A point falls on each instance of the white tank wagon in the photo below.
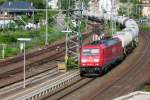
(118, 19)
(133, 32)
(124, 37)
(128, 36)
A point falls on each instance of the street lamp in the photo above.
(23, 41)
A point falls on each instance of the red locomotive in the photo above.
(100, 55)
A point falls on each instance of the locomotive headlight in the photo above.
(83, 60)
(96, 60)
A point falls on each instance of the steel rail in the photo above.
(111, 84)
(31, 80)
(44, 88)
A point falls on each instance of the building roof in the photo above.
(16, 5)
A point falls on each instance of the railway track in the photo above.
(121, 80)
(40, 59)
(125, 78)
(36, 76)
(30, 54)
(132, 78)
(12, 76)
(50, 73)
(67, 89)
(35, 66)
(15, 65)
(40, 67)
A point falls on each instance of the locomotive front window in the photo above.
(94, 51)
(87, 52)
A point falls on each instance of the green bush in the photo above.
(147, 88)
(82, 26)
(11, 51)
(38, 38)
(146, 27)
(66, 4)
(7, 39)
(149, 61)
(71, 63)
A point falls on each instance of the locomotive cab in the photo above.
(90, 57)
(99, 56)
(90, 60)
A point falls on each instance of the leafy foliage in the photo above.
(71, 64)
(38, 3)
(123, 1)
(146, 27)
(7, 39)
(129, 8)
(147, 88)
(11, 51)
(2, 1)
(66, 4)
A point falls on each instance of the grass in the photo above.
(10, 35)
(9, 51)
(149, 61)
(71, 64)
(146, 27)
(147, 88)
(38, 39)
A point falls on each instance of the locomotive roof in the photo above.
(106, 42)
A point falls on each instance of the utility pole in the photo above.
(112, 15)
(46, 34)
(73, 36)
(128, 8)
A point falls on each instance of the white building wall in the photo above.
(146, 11)
(53, 4)
(107, 6)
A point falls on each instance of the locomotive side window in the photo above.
(87, 52)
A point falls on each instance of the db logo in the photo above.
(90, 59)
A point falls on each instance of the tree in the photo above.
(2, 1)
(134, 12)
(38, 3)
(130, 7)
(66, 4)
(123, 1)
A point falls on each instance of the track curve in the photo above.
(127, 77)
(136, 75)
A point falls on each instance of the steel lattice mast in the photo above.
(73, 37)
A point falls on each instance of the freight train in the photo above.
(99, 56)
